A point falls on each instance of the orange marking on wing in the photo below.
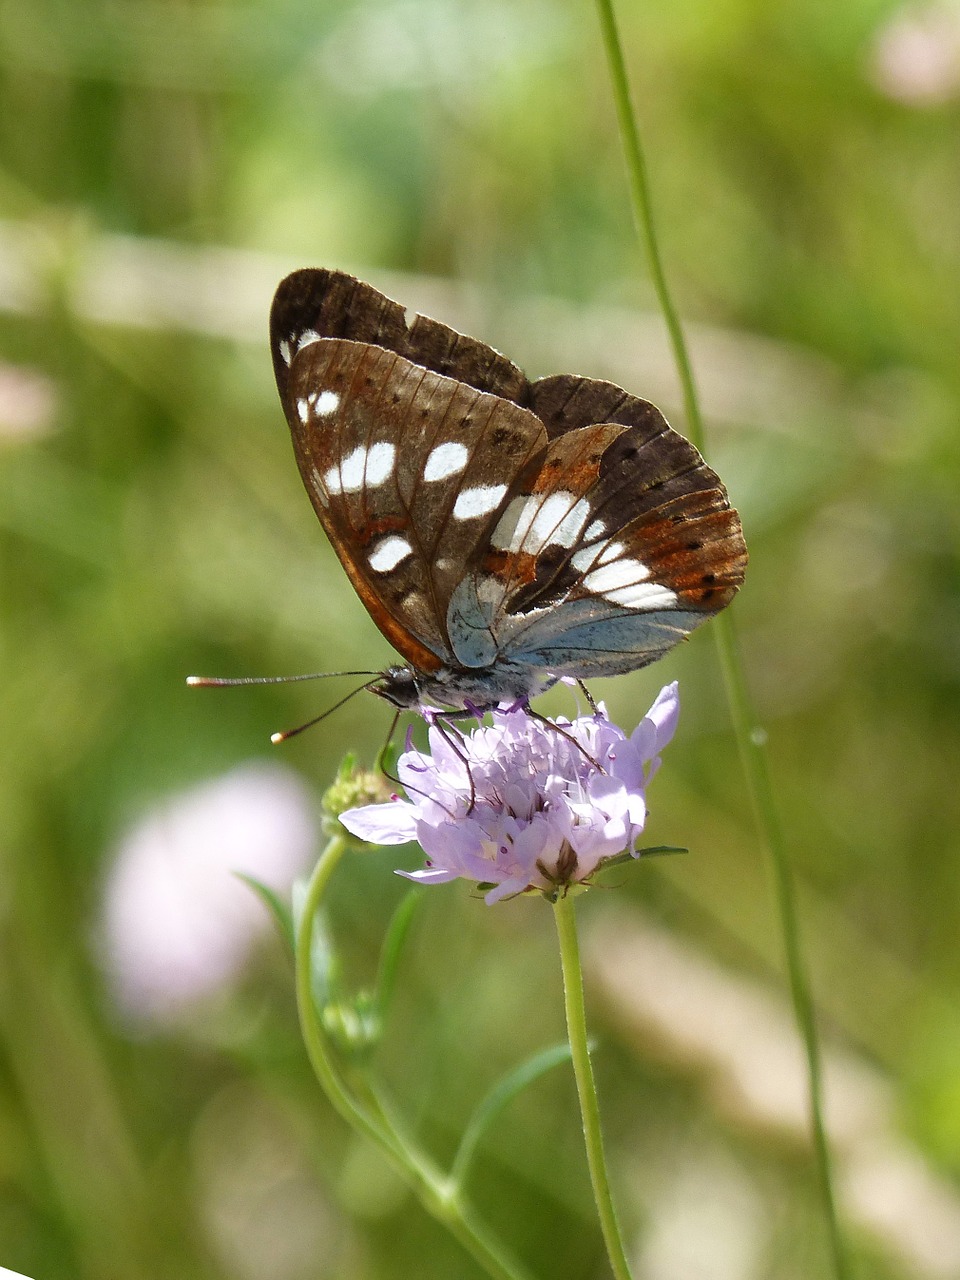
(523, 566)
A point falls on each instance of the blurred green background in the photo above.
(162, 164)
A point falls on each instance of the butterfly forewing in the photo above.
(330, 304)
(408, 471)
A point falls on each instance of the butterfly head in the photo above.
(398, 686)
(458, 689)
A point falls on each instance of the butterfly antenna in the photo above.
(283, 736)
(223, 682)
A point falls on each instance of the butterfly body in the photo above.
(502, 533)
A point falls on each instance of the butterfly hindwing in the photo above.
(618, 548)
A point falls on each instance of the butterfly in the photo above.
(501, 533)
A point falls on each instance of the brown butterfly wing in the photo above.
(408, 471)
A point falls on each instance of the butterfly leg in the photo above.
(556, 728)
(451, 739)
(406, 786)
(384, 750)
(589, 697)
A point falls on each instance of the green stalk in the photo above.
(586, 1086)
(434, 1191)
(750, 741)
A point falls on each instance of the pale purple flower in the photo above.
(915, 58)
(177, 923)
(520, 804)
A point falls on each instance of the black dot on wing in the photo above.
(709, 577)
(500, 435)
(694, 546)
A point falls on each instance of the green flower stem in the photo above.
(434, 1191)
(751, 744)
(586, 1086)
(750, 741)
(643, 214)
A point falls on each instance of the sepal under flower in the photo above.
(353, 787)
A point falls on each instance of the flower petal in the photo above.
(429, 875)
(659, 724)
(393, 823)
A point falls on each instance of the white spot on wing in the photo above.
(611, 551)
(303, 410)
(472, 503)
(503, 535)
(306, 338)
(389, 553)
(379, 463)
(588, 556)
(568, 530)
(532, 523)
(642, 596)
(446, 460)
(284, 348)
(361, 468)
(612, 577)
(325, 403)
(594, 531)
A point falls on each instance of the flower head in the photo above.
(523, 803)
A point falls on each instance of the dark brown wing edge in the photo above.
(333, 304)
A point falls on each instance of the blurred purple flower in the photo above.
(915, 55)
(539, 812)
(177, 923)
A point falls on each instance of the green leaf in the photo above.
(390, 952)
(324, 962)
(347, 766)
(653, 851)
(279, 910)
(497, 1099)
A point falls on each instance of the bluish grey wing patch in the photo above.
(473, 606)
(580, 638)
